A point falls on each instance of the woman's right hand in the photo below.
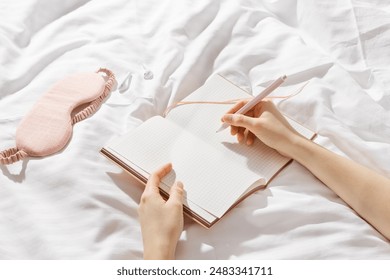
(365, 190)
(266, 123)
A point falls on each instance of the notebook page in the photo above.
(205, 172)
(204, 119)
(188, 203)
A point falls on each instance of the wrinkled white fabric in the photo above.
(77, 205)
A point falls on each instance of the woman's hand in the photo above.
(265, 122)
(366, 191)
(161, 221)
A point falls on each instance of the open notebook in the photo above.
(217, 172)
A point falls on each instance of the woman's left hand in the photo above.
(161, 221)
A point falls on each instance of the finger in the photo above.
(242, 130)
(156, 176)
(239, 120)
(257, 109)
(250, 139)
(241, 134)
(237, 107)
(233, 130)
(176, 193)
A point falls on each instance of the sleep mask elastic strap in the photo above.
(12, 155)
(92, 108)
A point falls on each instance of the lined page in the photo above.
(204, 119)
(211, 179)
(207, 216)
(215, 169)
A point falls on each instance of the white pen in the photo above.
(256, 100)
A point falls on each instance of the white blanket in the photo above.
(77, 205)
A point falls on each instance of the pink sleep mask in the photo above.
(47, 128)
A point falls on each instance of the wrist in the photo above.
(296, 145)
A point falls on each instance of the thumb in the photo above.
(239, 120)
(176, 193)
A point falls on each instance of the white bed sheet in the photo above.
(77, 205)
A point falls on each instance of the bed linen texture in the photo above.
(77, 205)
